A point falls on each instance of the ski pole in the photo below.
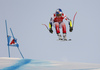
(74, 18)
(46, 26)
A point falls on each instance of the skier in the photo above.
(57, 21)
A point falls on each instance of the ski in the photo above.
(64, 40)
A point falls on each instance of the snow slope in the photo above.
(31, 64)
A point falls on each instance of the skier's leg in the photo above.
(64, 30)
(57, 27)
(58, 30)
(63, 27)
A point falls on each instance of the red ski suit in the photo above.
(57, 21)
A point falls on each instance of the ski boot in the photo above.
(64, 36)
(59, 36)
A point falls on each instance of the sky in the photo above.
(26, 17)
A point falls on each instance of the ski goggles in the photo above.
(58, 14)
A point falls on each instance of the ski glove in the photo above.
(71, 29)
(70, 23)
(50, 30)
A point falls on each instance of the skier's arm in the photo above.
(70, 24)
(50, 23)
(50, 26)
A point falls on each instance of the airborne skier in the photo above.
(57, 21)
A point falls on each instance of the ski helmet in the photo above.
(59, 12)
